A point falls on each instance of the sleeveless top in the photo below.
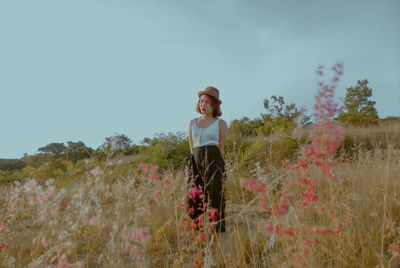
(205, 136)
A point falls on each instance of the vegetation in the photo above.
(359, 110)
(299, 194)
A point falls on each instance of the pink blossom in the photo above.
(143, 167)
(167, 183)
(394, 250)
(213, 213)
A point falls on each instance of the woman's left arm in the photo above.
(222, 135)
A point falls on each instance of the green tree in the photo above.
(169, 151)
(122, 142)
(245, 127)
(77, 151)
(54, 149)
(12, 164)
(359, 110)
(37, 159)
(280, 116)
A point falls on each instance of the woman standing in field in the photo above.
(207, 173)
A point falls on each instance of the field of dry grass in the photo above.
(141, 220)
(327, 208)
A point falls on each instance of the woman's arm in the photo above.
(190, 138)
(222, 135)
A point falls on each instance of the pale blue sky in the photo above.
(83, 70)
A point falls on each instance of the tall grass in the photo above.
(322, 209)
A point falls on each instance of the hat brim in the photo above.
(206, 93)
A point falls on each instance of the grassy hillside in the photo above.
(119, 213)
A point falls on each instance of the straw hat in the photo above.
(212, 91)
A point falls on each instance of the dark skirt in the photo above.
(206, 186)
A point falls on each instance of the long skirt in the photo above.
(206, 186)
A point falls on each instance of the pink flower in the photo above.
(270, 227)
(394, 250)
(156, 195)
(195, 191)
(281, 209)
(143, 167)
(263, 205)
(289, 231)
(213, 213)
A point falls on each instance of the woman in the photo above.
(207, 173)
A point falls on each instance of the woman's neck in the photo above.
(205, 116)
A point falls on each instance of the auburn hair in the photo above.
(214, 104)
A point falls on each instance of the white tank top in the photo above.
(205, 136)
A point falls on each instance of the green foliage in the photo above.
(55, 149)
(278, 109)
(251, 152)
(38, 159)
(245, 127)
(269, 152)
(280, 117)
(359, 110)
(77, 151)
(99, 154)
(12, 164)
(169, 151)
(7, 177)
(123, 143)
(74, 152)
(55, 168)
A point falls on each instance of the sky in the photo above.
(83, 70)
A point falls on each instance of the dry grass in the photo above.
(316, 211)
(94, 223)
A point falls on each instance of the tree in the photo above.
(280, 116)
(245, 127)
(359, 110)
(169, 151)
(55, 149)
(121, 142)
(77, 151)
(11, 164)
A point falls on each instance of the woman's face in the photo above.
(205, 104)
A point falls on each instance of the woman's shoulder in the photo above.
(222, 123)
(192, 121)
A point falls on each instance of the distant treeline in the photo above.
(172, 150)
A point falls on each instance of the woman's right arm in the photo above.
(190, 138)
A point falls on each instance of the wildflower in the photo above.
(323, 231)
(270, 227)
(201, 237)
(213, 213)
(281, 209)
(263, 205)
(289, 231)
(195, 192)
(97, 171)
(394, 250)
(198, 263)
(167, 183)
(143, 167)
(154, 175)
(156, 195)
(277, 231)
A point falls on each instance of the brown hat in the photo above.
(212, 91)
